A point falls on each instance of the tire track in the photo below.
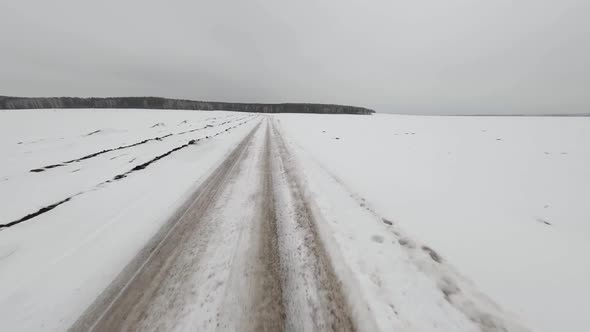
(126, 302)
(329, 306)
(266, 310)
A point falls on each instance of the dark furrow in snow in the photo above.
(178, 148)
(94, 132)
(118, 177)
(37, 213)
(95, 154)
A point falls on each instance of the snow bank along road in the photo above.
(264, 238)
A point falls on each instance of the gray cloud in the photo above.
(426, 56)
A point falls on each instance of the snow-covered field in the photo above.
(504, 200)
(53, 266)
(430, 223)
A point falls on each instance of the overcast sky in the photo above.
(413, 56)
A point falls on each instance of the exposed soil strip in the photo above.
(30, 142)
(35, 214)
(115, 157)
(92, 155)
(116, 177)
(178, 148)
(94, 132)
(95, 154)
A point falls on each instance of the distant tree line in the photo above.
(177, 104)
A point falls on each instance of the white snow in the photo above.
(503, 201)
(29, 190)
(53, 266)
(478, 190)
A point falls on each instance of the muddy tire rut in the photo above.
(267, 309)
(330, 310)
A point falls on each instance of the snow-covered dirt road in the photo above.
(224, 263)
(248, 254)
(198, 221)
